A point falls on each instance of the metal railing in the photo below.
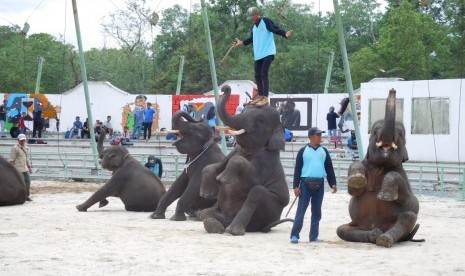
(443, 180)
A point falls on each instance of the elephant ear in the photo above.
(277, 140)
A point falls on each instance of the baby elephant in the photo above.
(139, 188)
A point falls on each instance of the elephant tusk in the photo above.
(172, 131)
(237, 132)
(223, 128)
(379, 144)
(394, 146)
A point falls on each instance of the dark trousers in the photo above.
(27, 179)
(262, 67)
(147, 130)
(37, 128)
(316, 199)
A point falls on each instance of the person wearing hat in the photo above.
(20, 160)
(332, 126)
(264, 50)
(154, 164)
(313, 164)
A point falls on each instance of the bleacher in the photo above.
(68, 159)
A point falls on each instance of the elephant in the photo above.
(249, 182)
(138, 187)
(383, 207)
(197, 140)
(12, 185)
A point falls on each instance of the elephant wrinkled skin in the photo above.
(12, 185)
(383, 208)
(197, 140)
(250, 182)
(138, 188)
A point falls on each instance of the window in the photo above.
(378, 110)
(430, 116)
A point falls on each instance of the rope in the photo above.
(34, 10)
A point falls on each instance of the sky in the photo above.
(55, 17)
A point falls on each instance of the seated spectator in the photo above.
(85, 129)
(352, 141)
(154, 164)
(288, 135)
(76, 129)
(109, 126)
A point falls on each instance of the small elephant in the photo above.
(12, 185)
(138, 188)
(250, 182)
(383, 207)
(197, 140)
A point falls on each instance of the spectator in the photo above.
(85, 129)
(2, 118)
(352, 141)
(149, 113)
(20, 160)
(38, 122)
(57, 124)
(154, 164)
(211, 118)
(76, 129)
(331, 118)
(21, 125)
(108, 126)
(138, 122)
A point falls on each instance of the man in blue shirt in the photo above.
(313, 164)
(264, 50)
(38, 123)
(149, 113)
(77, 128)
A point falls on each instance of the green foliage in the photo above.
(412, 39)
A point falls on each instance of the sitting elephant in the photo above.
(12, 185)
(197, 140)
(383, 208)
(139, 188)
(250, 182)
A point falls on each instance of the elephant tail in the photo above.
(274, 223)
(412, 233)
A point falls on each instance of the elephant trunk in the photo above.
(387, 135)
(224, 115)
(177, 123)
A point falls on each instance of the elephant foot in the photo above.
(235, 231)
(103, 203)
(374, 235)
(212, 225)
(357, 181)
(178, 217)
(388, 193)
(155, 215)
(385, 240)
(81, 208)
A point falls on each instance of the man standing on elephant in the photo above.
(313, 164)
(19, 159)
(264, 50)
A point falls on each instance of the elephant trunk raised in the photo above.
(224, 115)
(179, 124)
(387, 135)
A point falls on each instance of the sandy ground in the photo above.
(50, 237)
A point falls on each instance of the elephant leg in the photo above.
(213, 221)
(174, 192)
(351, 233)
(404, 224)
(103, 203)
(356, 181)
(191, 192)
(390, 187)
(109, 189)
(209, 184)
(257, 195)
